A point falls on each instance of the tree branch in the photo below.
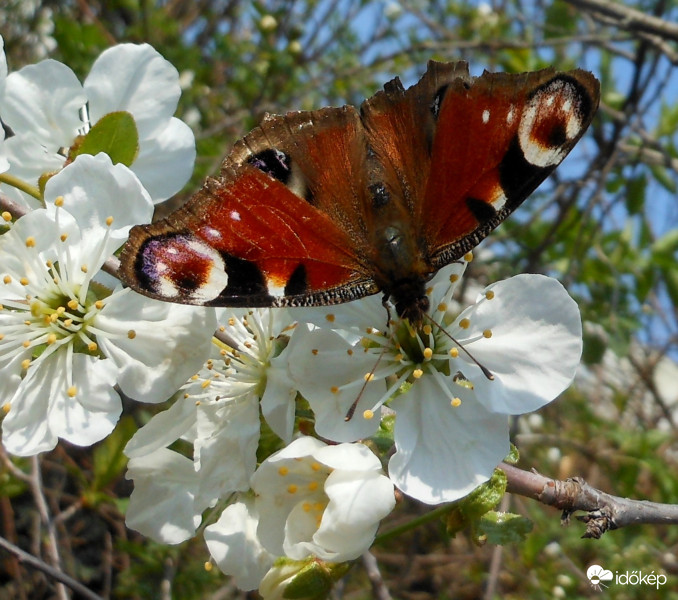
(605, 512)
(629, 18)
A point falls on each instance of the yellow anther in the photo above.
(25, 363)
(205, 383)
(487, 333)
(7, 279)
(72, 391)
(316, 466)
(489, 294)
(314, 351)
(23, 281)
(368, 414)
(63, 237)
(26, 343)
(131, 334)
(334, 389)
(83, 268)
(292, 488)
(456, 402)
(30, 242)
(283, 471)
(59, 201)
(428, 353)
(92, 347)
(313, 486)
(465, 323)
(368, 377)
(417, 373)
(99, 304)
(307, 506)
(51, 338)
(468, 257)
(6, 216)
(454, 278)
(349, 352)
(109, 221)
(330, 318)
(442, 307)
(6, 407)
(72, 304)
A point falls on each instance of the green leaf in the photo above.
(503, 528)
(635, 194)
(115, 134)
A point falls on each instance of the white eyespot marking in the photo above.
(498, 200)
(172, 250)
(486, 116)
(275, 288)
(235, 215)
(511, 115)
(550, 123)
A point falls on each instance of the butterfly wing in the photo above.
(466, 151)
(271, 230)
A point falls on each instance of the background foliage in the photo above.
(605, 224)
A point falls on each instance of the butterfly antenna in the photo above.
(484, 369)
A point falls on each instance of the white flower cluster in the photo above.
(242, 437)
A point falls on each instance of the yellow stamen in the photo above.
(417, 373)
(30, 242)
(330, 318)
(489, 294)
(72, 304)
(487, 333)
(313, 486)
(7, 216)
(368, 377)
(465, 323)
(283, 471)
(109, 221)
(468, 257)
(368, 414)
(131, 334)
(454, 352)
(428, 353)
(51, 338)
(72, 391)
(59, 201)
(292, 488)
(456, 402)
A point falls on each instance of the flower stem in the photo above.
(20, 184)
(431, 516)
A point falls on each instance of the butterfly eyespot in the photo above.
(273, 162)
(552, 120)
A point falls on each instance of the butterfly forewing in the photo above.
(496, 141)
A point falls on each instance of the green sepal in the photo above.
(115, 134)
(501, 528)
(481, 500)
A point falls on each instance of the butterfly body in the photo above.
(321, 207)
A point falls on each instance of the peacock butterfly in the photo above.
(321, 207)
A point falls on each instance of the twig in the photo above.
(379, 588)
(605, 512)
(55, 574)
(629, 18)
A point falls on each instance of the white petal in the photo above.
(443, 452)
(169, 345)
(135, 78)
(93, 189)
(348, 457)
(226, 447)
(277, 403)
(165, 162)
(42, 410)
(162, 506)
(535, 346)
(44, 100)
(163, 429)
(234, 546)
(329, 373)
(358, 502)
